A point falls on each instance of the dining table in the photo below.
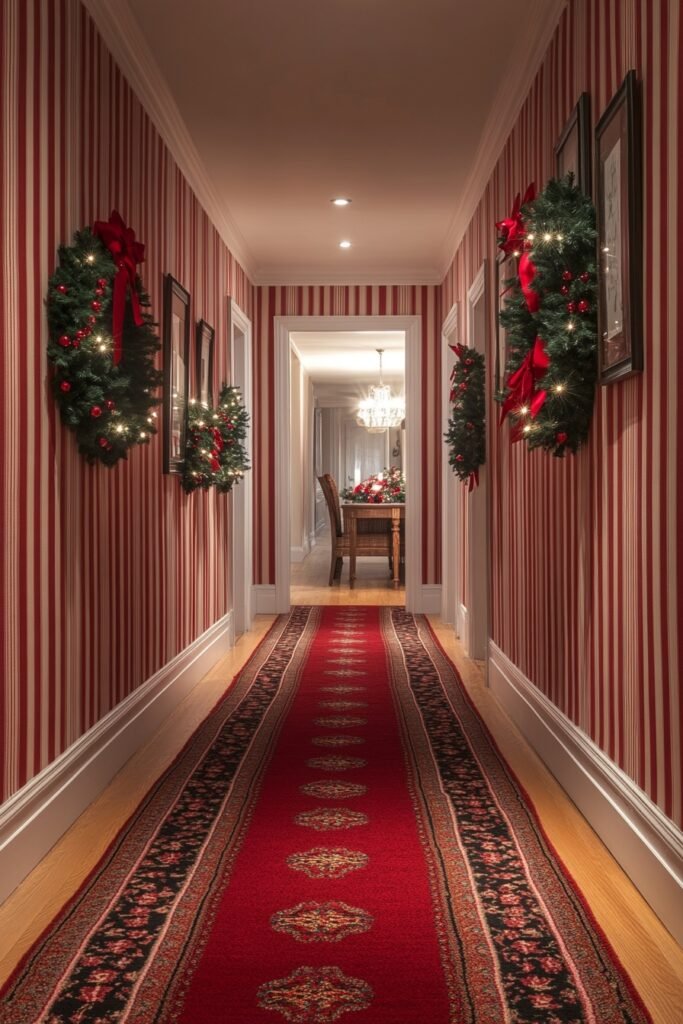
(357, 514)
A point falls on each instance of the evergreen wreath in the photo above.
(551, 317)
(466, 436)
(102, 342)
(215, 455)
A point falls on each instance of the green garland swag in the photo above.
(215, 455)
(551, 318)
(466, 436)
(108, 405)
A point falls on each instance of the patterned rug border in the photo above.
(534, 814)
(267, 641)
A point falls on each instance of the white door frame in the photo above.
(451, 492)
(477, 598)
(412, 326)
(241, 364)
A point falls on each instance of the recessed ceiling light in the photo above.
(345, 244)
(340, 201)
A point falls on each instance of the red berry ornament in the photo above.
(110, 404)
(571, 307)
(101, 282)
(65, 341)
(97, 306)
(564, 290)
(95, 412)
(459, 458)
(102, 442)
(80, 335)
(62, 289)
(470, 426)
(561, 437)
(76, 343)
(567, 275)
(99, 291)
(65, 386)
(584, 306)
(92, 319)
(585, 277)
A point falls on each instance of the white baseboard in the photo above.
(33, 819)
(312, 540)
(646, 843)
(297, 554)
(265, 599)
(431, 599)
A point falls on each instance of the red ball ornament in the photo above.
(567, 275)
(65, 386)
(65, 341)
(92, 319)
(62, 288)
(561, 437)
(462, 386)
(97, 306)
(80, 335)
(76, 343)
(564, 290)
(571, 307)
(102, 442)
(101, 282)
(583, 306)
(585, 277)
(95, 412)
(468, 362)
(99, 291)
(459, 458)
(110, 404)
(470, 426)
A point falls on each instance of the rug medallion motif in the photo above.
(315, 995)
(333, 789)
(324, 819)
(321, 922)
(327, 862)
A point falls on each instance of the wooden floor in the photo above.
(649, 953)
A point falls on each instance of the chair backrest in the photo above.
(329, 488)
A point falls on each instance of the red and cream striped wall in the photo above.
(105, 575)
(588, 551)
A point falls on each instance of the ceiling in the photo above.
(273, 108)
(343, 364)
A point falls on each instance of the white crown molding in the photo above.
(124, 38)
(283, 277)
(540, 20)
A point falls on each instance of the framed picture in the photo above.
(176, 351)
(572, 151)
(204, 344)
(619, 208)
(505, 269)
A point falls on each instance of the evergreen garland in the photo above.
(551, 320)
(109, 407)
(466, 436)
(215, 455)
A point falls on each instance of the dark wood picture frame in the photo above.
(573, 148)
(204, 343)
(176, 354)
(618, 179)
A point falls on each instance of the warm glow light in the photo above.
(103, 348)
(530, 237)
(516, 253)
(143, 434)
(560, 238)
(90, 258)
(340, 201)
(193, 401)
(524, 409)
(527, 428)
(559, 388)
(345, 244)
(380, 410)
(547, 238)
(570, 325)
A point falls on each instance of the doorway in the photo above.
(284, 327)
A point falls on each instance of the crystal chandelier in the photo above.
(380, 410)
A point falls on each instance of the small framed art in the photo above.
(176, 352)
(204, 343)
(619, 215)
(573, 148)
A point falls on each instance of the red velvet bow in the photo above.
(512, 228)
(473, 480)
(522, 384)
(127, 253)
(217, 439)
(527, 273)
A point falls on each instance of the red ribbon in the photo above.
(473, 480)
(522, 384)
(127, 253)
(217, 439)
(512, 228)
(527, 273)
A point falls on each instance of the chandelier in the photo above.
(380, 410)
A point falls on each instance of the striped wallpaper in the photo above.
(588, 551)
(347, 300)
(105, 575)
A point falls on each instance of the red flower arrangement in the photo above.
(387, 486)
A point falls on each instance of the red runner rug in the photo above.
(340, 836)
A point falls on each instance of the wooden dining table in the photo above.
(393, 513)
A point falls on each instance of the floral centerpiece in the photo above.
(389, 485)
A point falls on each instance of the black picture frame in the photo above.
(176, 355)
(573, 148)
(619, 195)
(204, 343)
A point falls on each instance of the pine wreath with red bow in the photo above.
(215, 452)
(102, 342)
(466, 435)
